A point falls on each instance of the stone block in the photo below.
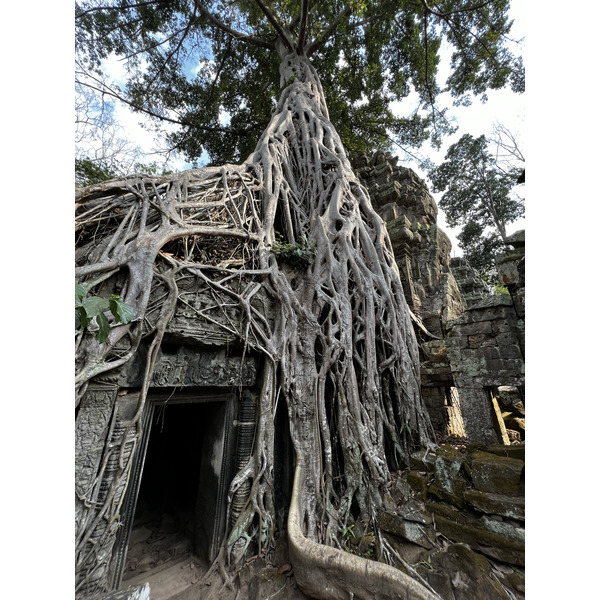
(412, 532)
(503, 528)
(423, 460)
(412, 511)
(506, 338)
(448, 464)
(496, 504)
(476, 341)
(460, 528)
(511, 351)
(136, 592)
(478, 328)
(490, 352)
(490, 307)
(504, 325)
(510, 366)
(514, 451)
(478, 416)
(441, 583)
(437, 491)
(418, 482)
(496, 474)
(411, 553)
(400, 491)
(469, 574)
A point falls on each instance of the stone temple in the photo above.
(198, 423)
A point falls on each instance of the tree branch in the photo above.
(454, 12)
(127, 6)
(446, 18)
(328, 32)
(278, 28)
(109, 92)
(303, 21)
(238, 35)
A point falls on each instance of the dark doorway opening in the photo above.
(183, 475)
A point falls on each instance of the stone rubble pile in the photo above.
(459, 521)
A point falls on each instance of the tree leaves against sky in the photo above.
(477, 196)
(184, 67)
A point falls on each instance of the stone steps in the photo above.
(172, 580)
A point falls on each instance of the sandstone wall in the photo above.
(422, 250)
(472, 341)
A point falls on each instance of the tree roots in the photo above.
(339, 346)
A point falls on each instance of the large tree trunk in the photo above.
(347, 354)
(341, 352)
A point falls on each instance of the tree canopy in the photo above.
(477, 194)
(212, 67)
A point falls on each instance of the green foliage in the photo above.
(298, 256)
(94, 307)
(211, 65)
(352, 544)
(88, 172)
(477, 196)
(151, 169)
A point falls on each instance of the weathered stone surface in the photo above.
(448, 465)
(491, 473)
(481, 327)
(418, 482)
(412, 511)
(469, 575)
(460, 528)
(422, 250)
(504, 528)
(407, 530)
(472, 287)
(186, 366)
(91, 430)
(423, 460)
(411, 553)
(135, 592)
(496, 504)
(478, 414)
(400, 491)
(517, 239)
(437, 491)
(514, 451)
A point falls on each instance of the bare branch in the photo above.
(457, 11)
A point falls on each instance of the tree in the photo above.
(101, 150)
(193, 63)
(339, 348)
(478, 194)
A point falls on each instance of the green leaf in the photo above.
(122, 312)
(81, 318)
(80, 293)
(94, 306)
(104, 327)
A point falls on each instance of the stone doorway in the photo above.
(174, 518)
